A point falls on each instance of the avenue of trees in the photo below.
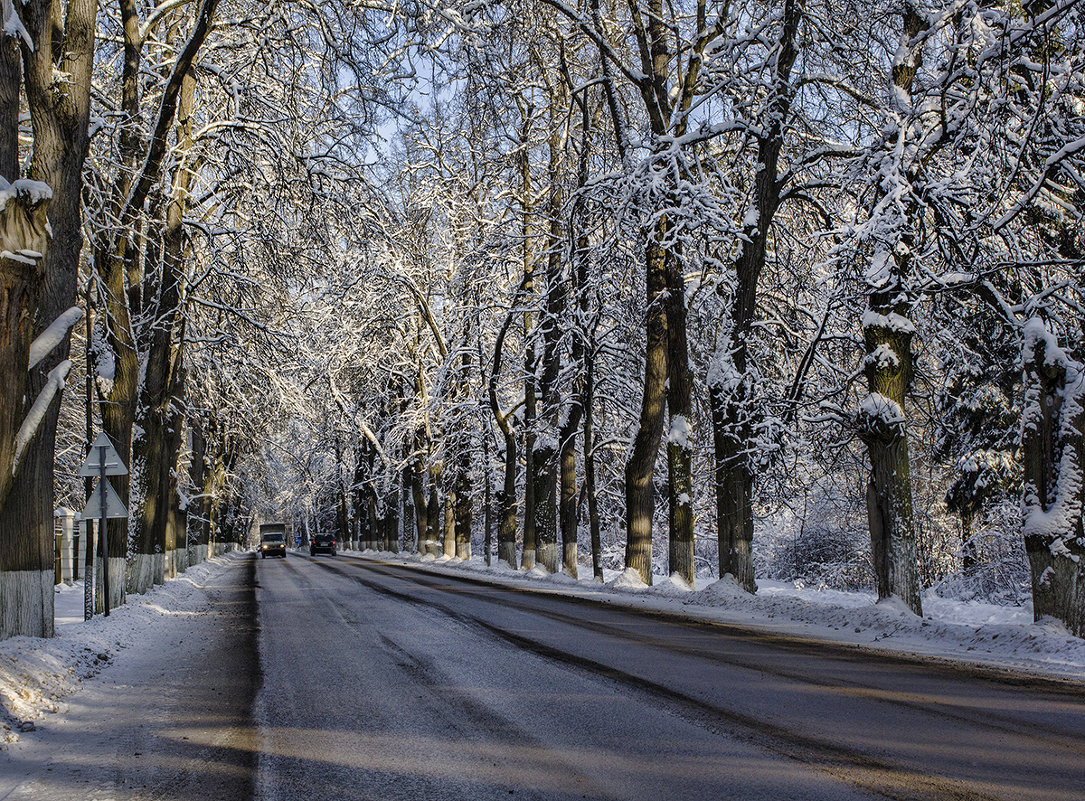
(685, 289)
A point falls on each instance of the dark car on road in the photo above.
(322, 543)
(272, 541)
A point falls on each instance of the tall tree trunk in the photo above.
(448, 530)
(506, 494)
(506, 526)
(418, 501)
(155, 453)
(357, 502)
(390, 521)
(529, 553)
(568, 506)
(734, 413)
(342, 501)
(59, 114)
(11, 81)
(545, 457)
(464, 513)
(118, 260)
(1053, 499)
(26, 555)
(589, 467)
(887, 334)
(199, 519)
(434, 520)
(372, 525)
(680, 410)
(640, 493)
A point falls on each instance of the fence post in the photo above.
(64, 530)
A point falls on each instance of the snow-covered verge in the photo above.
(994, 637)
(37, 674)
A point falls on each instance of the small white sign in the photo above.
(114, 466)
(114, 506)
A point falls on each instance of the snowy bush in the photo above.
(997, 570)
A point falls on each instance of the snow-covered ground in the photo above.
(36, 675)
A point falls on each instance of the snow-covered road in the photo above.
(386, 682)
(366, 678)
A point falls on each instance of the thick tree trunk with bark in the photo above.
(883, 427)
(1053, 502)
(679, 448)
(888, 364)
(11, 81)
(162, 395)
(199, 519)
(733, 484)
(357, 501)
(506, 524)
(506, 494)
(26, 555)
(418, 501)
(448, 530)
(545, 457)
(568, 506)
(640, 467)
(434, 520)
(59, 115)
(589, 468)
(464, 513)
(390, 521)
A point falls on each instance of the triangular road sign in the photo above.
(114, 506)
(113, 464)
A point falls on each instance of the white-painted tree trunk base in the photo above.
(159, 568)
(141, 573)
(547, 556)
(197, 555)
(118, 569)
(175, 563)
(26, 603)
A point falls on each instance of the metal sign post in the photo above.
(104, 502)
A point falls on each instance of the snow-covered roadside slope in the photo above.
(37, 674)
(993, 637)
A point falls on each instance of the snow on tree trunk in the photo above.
(733, 485)
(883, 428)
(887, 333)
(26, 532)
(680, 410)
(1053, 445)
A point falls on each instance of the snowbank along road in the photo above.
(348, 678)
(172, 721)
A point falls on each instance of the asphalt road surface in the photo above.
(385, 682)
(344, 678)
